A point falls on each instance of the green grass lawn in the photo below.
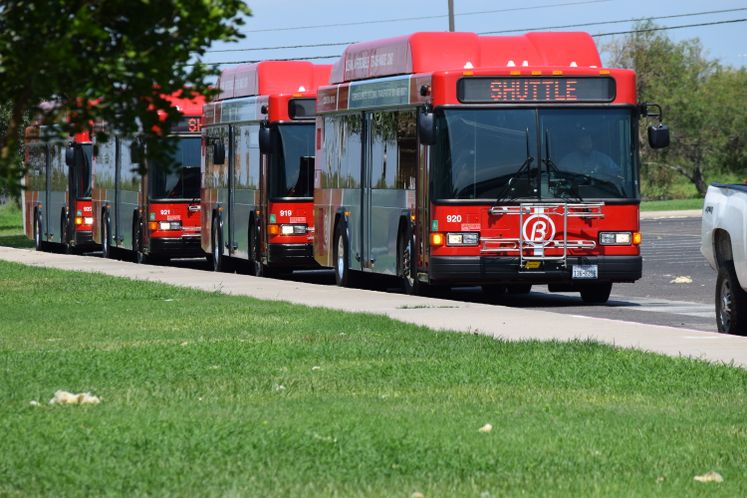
(211, 395)
(11, 227)
(672, 205)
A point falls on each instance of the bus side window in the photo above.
(407, 162)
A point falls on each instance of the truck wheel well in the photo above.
(722, 247)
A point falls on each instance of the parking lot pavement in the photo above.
(441, 314)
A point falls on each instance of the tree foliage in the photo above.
(705, 105)
(104, 60)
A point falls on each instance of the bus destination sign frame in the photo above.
(536, 90)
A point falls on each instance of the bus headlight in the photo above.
(170, 225)
(88, 220)
(615, 238)
(462, 239)
(293, 229)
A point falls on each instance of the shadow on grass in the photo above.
(18, 241)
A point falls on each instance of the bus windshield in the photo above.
(534, 154)
(82, 172)
(182, 179)
(291, 172)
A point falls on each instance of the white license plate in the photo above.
(585, 271)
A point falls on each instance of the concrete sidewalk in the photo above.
(496, 321)
(682, 213)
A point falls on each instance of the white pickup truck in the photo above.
(723, 242)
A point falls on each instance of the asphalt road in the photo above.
(670, 249)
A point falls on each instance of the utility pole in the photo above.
(451, 15)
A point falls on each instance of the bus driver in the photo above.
(584, 160)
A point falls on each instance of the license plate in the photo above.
(585, 271)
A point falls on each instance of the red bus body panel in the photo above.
(292, 213)
(85, 208)
(187, 213)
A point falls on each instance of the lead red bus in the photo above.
(154, 216)
(257, 183)
(452, 159)
(57, 190)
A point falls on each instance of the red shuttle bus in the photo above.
(57, 190)
(457, 159)
(156, 216)
(258, 166)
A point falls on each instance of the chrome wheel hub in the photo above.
(340, 257)
(727, 304)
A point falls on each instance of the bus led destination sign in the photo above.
(535, 90)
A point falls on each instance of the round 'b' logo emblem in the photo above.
(538, 229)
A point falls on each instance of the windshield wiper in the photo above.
(525, 166)
(553, 168)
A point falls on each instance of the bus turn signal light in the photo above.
(153, 226)
(78, 220)
(637, 238)
(437, 239)
(273, 229)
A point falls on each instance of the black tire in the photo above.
(519, 289)
(341, 256)
(731, 301)
(256, 267)
(406, 266)
(216, 243)
(137, 243)
(64, 235)
(106, 235)
(596, 293)
(493, 290)
(39, 244)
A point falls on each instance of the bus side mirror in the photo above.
(658, 136)
(219, 152)
(265, 140)
(136, 152)
(70, 156)
(426, 127)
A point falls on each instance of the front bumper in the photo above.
(475, 270)
(297, 256)
(176, 247)
(84, 240)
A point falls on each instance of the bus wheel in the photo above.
(137, 242)
(406, 260)
(216, 244)
(596, 293)
(493, 290)
(731, 301)
(64, 237)
(38, 228)
(106, 236)
(255, 259)
(518, 289)
(341, 256)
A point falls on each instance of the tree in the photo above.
(705, 104)
(104, 60)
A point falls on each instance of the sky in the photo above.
(351, 21)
